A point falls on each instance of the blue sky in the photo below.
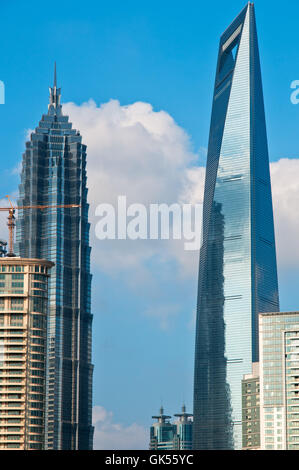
(162, 53)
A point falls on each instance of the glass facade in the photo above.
(165, 435)
(184, 428)
(54, 173)
(279, 364)
(237, 272)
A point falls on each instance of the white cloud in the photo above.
(132, 150)
(109, 435)
(17, 169)
(165, 313)
(28, 133)
(285, 189)
(144, 155)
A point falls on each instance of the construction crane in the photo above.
(11, 223)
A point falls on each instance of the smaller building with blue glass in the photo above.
(165, 435)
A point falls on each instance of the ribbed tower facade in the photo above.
(237, 272)
(54, 173)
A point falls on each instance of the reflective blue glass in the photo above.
(237, 272)
(54, 173)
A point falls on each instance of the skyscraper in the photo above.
(237, 272)
(23, 327)
(54, 173)
(279, 380)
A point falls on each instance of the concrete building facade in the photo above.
(251, 410)
(279, 380)
(23, 334)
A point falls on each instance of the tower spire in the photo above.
(54, 107)
(55, 81)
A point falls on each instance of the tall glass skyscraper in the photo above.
(237, 273)
(54, 173)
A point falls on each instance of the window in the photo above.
(38, 277)
(17, 304)
(38, 305)
(17, 285)
(16, 320)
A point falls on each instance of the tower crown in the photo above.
(54, 106)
